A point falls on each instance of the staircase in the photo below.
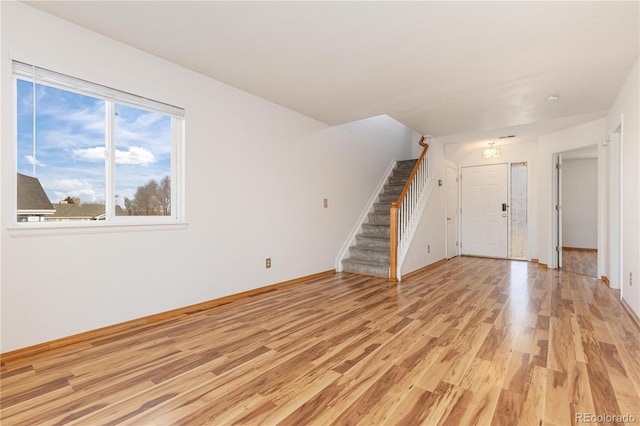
(370, 254)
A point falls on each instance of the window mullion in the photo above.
(110, 160)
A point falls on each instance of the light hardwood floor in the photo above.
(475, 341)
(580, 261)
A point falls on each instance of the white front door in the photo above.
(452, 212)
(484, 210)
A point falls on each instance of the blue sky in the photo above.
(70, 144)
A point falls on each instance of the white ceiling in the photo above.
(456, 70)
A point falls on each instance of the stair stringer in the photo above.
(364, 216)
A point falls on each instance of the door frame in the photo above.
(557, 208)
(452, 165)
(609, 177)
(615, 216)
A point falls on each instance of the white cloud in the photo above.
(75, 188)
(86, 195)
(68, 138)
(135, 127)
(71, 184)
(134, 155)
(90, 154)
(32, 160)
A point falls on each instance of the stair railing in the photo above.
(403, 213)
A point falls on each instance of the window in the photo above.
(519, 211)
(86, 152)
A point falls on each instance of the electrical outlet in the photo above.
(428, 248)
(630, 278)
(268, 262)
(326, 203)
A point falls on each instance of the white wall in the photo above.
(580, 203)
(256, 175)
(625, 109)
(2, 60)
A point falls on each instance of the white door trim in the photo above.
(452, 220)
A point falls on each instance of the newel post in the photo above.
(393, 242)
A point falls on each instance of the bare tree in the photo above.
(151, 199)
(130, 206)
(164, 195)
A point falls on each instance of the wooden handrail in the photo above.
(393, 215)
(407, 185)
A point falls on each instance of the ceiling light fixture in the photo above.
(492, 151)
(552, 98)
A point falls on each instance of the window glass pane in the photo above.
(519, 210)
(143, 162)
(65, 162)
(25, 127)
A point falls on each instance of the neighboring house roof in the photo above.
(31, 196)
(79, 211)
(82, 211)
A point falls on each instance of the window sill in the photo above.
(47, 229)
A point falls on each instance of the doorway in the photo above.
(577, 211)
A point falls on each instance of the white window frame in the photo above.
(111, 97)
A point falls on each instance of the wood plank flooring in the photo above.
(472, 342)
(580, 261)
